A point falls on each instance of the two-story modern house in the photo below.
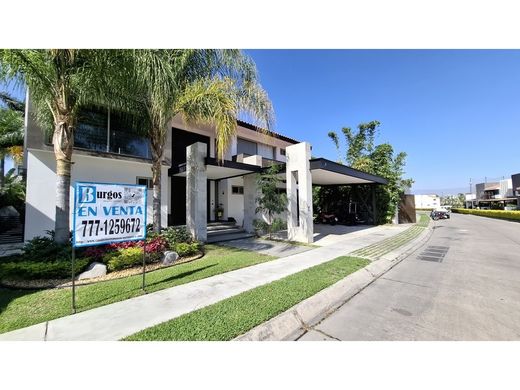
(196, 188)
(491, 193)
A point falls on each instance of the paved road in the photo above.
(472, 293)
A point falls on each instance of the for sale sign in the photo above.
(106, 213)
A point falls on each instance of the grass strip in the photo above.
(234, 316)
(424, 220)
(387, 245)
(21, 308)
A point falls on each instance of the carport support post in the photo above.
(251, 193)
(374, 209)
(299, 193)
(196, 192)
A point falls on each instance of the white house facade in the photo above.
(196, 188)
(427, 201)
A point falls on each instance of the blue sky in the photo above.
(456, 113)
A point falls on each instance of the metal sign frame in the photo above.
(107, 242)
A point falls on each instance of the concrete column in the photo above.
(196, 192)
(300, 225)
(374, 206)
(251, 193)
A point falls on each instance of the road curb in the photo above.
(294, 322)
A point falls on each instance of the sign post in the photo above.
(106, 213)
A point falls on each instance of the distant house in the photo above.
(427, 201)
(497, 194)
(500, 194)
(515, 184)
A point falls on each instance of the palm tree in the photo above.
(11, 131)
(203, 86)
(60, 81)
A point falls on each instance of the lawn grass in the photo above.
(21, 308)
(234, 316)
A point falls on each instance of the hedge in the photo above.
(30, 270)
(512, 215)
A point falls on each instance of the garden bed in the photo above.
(46, 264)
(63, 283)
(21, 307)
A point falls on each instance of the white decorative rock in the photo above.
(94, 270)
(169, 257)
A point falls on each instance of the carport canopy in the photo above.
(216, 170)
(326, 172)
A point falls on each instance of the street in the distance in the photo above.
(462, 284)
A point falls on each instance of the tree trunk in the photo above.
(63, 140)
(157, 146)
(156, 178)
(2, 167)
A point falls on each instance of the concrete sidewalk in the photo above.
(121, 319)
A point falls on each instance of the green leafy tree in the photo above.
(455, 201)
(271, 201)
(60, 82)
(12, 193)
(362, 154)
(203, 86)
(11, 134)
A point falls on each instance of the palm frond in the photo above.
(211, 101)
(12, 103)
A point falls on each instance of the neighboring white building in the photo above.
(108, 149)
(427, 201)
(470, 201)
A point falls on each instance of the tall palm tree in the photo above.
(203, 86)
(60, 81)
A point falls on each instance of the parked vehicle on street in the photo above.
(440, 213)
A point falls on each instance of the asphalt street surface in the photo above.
(462, 284)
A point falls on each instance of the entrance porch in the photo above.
(299, 174)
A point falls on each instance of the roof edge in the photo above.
(265, 131)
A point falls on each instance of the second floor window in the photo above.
(246, 147)
(250, 148)
(102, 130)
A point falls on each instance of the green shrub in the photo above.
(501, 214)
(30, 270)
(11, 259)
(123, 258)
(262, 226)
(176, 235)
(44, 249)
(184, 249)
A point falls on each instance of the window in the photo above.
(91, 132)
(145, 181)
(282, 151)
(266, 151)
(102, 130)
(246, 147)
(237, 190)
(125, 137)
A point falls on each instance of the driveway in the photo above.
(463, 284)
(327, 235)
(267, 247)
